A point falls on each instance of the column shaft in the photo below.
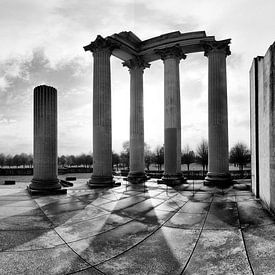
(102, 129)
(45, 139)
(172, 121)
(218, 162)
(136, 125)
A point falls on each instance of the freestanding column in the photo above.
(218, 163)
(172, 114)
(136, 67)
(45, 139)
(102, 128)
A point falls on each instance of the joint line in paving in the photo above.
(198, 237)
(244, 243)
(66, 242)
(153, 232)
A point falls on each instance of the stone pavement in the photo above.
(129, 231)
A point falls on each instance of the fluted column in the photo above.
(102, 120)
(172, 114)
(45, 139)
(136, 67)
(218, 162)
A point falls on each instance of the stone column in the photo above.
(172, 114)
(218, 162)
(136, 67)
(45, 140)
(102, 120)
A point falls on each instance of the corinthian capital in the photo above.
(101, 44)
(216, 46)
(136, 62)
(172, 52)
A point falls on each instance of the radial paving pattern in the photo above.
(129, 230)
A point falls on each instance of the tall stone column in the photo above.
(102, 120)
(136, 67)
(45, 140)
(218, 162)
(172, 114)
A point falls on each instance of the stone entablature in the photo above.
(127, 45)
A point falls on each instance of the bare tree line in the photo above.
(239, 156)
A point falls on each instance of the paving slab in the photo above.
(91, 227)
(155, 216)
(57, 208)
(260, 245)
(219, 252)
(16, 240)
(21, 222)
(112, 243)
(121, 204)
(252, 214)
(187, 220)
(195, 207)
(59, 260)
(164, 252)
(141, 207)
(164, 230)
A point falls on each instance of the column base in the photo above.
(172, 180)
(102, 182)
(46, 187)
(137, 177)
(221, 180)
(38, 184)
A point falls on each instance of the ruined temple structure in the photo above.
(137, 55)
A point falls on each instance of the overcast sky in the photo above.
(42, 43)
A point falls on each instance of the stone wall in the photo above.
(262, 121)
(253, 102)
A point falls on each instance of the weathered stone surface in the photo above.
(60, 260)
(260, 245)
(165, 252)
(262, 123)
(219, 252)
(16, 240)
(109, 244)
(180, 241)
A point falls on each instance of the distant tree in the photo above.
(16, 160)
(115, 160)
(159, 156)
(125, 154)
(80, 160)
(23, 159)
(62, 160)
(30, 160)
(9, 160)
(70, 160)
(2, 159)
(202, 154)
(240, 155)
(148, 156)
(88, 160)
(187, 157)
